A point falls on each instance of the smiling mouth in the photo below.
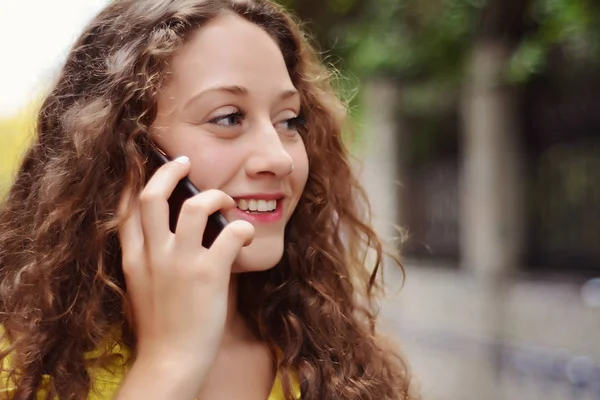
(257, 206)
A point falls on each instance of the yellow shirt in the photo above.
(106, 383)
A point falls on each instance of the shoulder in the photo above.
(106, 380)
(6, 364)
(277, 392)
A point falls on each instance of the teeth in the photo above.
(253, 205)
(263, 205)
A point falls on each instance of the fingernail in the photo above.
(182, 160)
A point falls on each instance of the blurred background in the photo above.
(478, 136)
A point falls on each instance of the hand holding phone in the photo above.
(177, 288)
(183, 191)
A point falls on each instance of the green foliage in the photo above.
(527, 60)
(430, 39)
(412, 39)
(571, 25)
(425, 44)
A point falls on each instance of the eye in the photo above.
(293, 124)
(231, 119)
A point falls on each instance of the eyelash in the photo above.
(295, 122)
(237, 114)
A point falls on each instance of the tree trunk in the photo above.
(492, 170)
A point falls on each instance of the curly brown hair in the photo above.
(62, 291)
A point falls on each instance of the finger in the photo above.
(194, 216)
(228, 244)
(130, 233)
(133, 263)
(154, 206)
(132, 241)
(128, 215)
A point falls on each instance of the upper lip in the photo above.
(259, 196)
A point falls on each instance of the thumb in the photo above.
(230, 241)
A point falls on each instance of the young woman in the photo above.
(101, 299)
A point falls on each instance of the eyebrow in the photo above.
(237, 90)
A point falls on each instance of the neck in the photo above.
(236, 327)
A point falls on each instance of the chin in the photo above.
(261, 255)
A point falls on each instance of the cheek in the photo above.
(301, 166)
(212, 165)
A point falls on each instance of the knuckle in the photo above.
(213, 192)
(131, 264)
(158, 257)
(218, 195)
(240, 230)
(205, 274)
(189, 270)
(232, 232)
(131, 250)
(125, 203)
(196, 205)
(149, 195)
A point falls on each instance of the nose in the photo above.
(269, 155)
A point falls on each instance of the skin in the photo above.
(183, 295)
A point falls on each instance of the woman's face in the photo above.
(230, 106)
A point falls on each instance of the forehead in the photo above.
(229, 50)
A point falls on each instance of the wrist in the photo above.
(183, 366)
(153, 377)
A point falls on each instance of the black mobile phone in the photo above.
(183, 191)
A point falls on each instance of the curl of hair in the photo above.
(62, 291)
